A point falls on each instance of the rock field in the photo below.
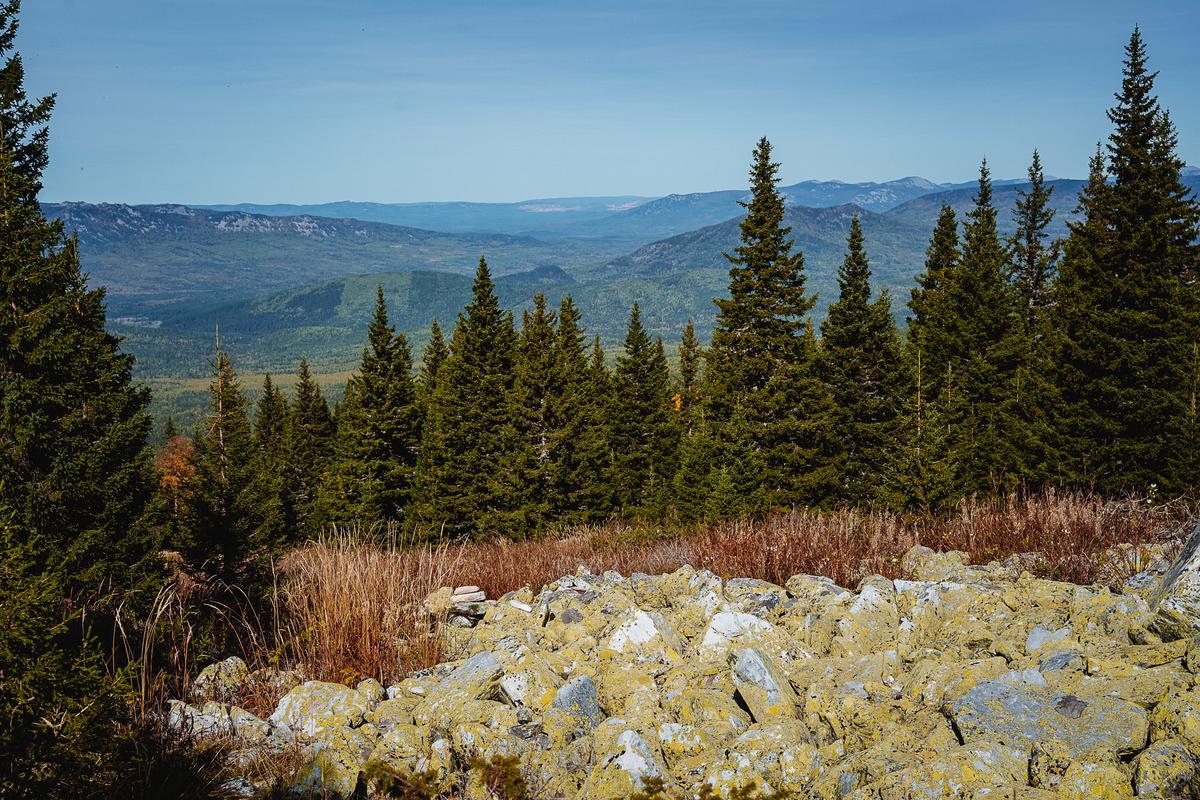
(966, 681)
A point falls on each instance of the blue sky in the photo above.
(306, 101)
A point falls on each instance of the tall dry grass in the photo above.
(350, 607)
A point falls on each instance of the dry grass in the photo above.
(351, 608)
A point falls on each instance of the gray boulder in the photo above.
(1176, 602)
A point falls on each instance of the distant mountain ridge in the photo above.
(627, 216)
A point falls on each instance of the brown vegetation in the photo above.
(350, 607)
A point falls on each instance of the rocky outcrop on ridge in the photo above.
(964, 681)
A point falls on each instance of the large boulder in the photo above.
(310, 706)
(1021, 714)
(763, 686)
(1176, 602)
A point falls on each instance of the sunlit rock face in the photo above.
(959, 681)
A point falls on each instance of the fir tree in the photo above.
(577, 412)
(860, 363)
(310, 434)
(760, 325)
(169, 430)
(644, 437)
(1034, 260)
(1126, 312)
(372, 476)
(470, 441)
(76, 470)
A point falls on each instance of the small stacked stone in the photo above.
(468, 604)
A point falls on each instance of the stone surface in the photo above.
(954, 681)
(1176, 600)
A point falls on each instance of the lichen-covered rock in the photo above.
(1020, 715)
(622, 768)
(763, 686)
(1176, 602)
(955, 681)
(1166, 769)
(220, 681)
(310, 706)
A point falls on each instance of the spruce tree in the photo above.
(930, 323)
(271, 465)
(1126, 313)
(1034, 259)
(226, 508)
(762, 358)
(372, 476)
(644, 424)
(921, 475)
(860, 364)
(985, 350)
(310, 435)
(471, 442)
(76, 470)
(432, 359)
(691, 354)
(580, 466)
(534, 387)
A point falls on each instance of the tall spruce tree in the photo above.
(921, 475)
(1034, 259)
(372, 477)
(310, 434)
(533, 390)
(271, 464)
(860, 363)
(226, 509)
(471, 442)
(580, 466)
(763, 357)
(434, 356)
(644, 424)
(75, 467)
(930, 323)
(984, 350)
(691, 355)
(1127, 314)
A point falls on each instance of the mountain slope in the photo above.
(150, 255)
(896, 248)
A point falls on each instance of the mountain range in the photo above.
(282, 286)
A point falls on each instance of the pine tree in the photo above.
(470, 440)
(1034, 260)
(76, 469)
(169, 431)
(644, 427)
(1126, 313)
(860, 364)
(372, 476)
(226, 509)
(310, 435)
(577, 410)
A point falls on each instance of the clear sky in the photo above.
(208, 101)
